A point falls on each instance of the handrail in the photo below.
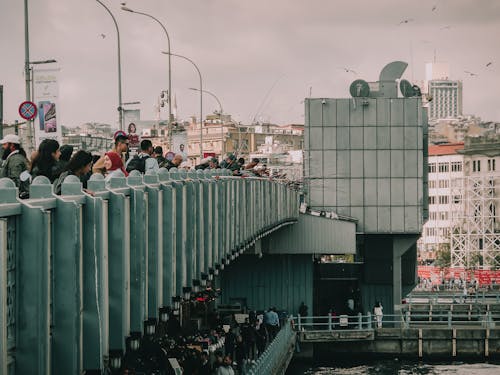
(273, 356)
(480, 297)
(407, 319)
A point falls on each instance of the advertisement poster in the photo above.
(179, 143)
(46, 94)
(131, 117)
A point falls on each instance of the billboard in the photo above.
(179, 144)
(131, 118)
(45, 96)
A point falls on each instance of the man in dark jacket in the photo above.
(14, 160)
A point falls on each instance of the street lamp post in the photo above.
(201, 98)
(120, 109)
(220, 112)
(169, 94)
(27, 72)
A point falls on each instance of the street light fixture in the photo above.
(120, 104)
(220, 113)
(201, 97)
(127, 9)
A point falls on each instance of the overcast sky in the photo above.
(260, 57)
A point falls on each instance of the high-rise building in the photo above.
(446, 94)
(446, 99)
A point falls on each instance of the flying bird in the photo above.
(447, 27)
(434, 8)
(406, 20)
(103, 36)
(489, 64)
(470, 73)
(347, 70)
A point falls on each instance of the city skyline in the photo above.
(261, 59)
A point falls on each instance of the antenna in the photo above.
(259, 109)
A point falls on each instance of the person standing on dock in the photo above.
(378, 311)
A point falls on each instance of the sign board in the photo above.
(179, 144)
(46, 95)
(27, 110)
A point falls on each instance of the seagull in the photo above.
(434, 8)
(103, 36)
(406, 20)
(347, 70)
(489, 64)
(470, 73)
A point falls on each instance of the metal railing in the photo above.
(480, 297)
(78, 272)
(276, 353)
(406, 319)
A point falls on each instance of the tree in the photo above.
(443, 256)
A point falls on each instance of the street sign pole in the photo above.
(27, 75)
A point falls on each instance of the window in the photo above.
(443, 215)
(457, 199)
(444, 184)
(443, 199)
(443, 167)
(491, 165)
(476, 166)
(432, 200)
(432, 168)
(432, 184)
(456, 166)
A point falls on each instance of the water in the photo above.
(399, 367)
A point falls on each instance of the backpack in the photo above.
(137, 163)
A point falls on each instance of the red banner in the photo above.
(437, 274)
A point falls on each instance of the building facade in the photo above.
(446, 99)
(464, 203)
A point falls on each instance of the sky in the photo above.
(261, 58)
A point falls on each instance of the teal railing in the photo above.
(78, 273)
(276, 354)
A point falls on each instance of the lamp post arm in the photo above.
(169, 72)
(120, 109)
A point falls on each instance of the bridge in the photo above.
(79, 273)
(447, 330)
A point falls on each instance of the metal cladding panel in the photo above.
(95, 287)
(33, 292)
(356, 112)
(357, 168)
(191, 231)
(329, 137)
(397, 112)
(357, 192)
(67, 298)
(343, 138)
(313, 235)
(180, 236)
(281, 281)
(356, 138)
(329, 112)
(343, 109)
(139, 255)
(383, 137)
(370, 112)
(370, 138)
(316, 138)
(154, 250)
(169, 243)
(119, 269)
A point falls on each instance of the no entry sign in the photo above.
(27, 110)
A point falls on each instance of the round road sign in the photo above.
(27, 110)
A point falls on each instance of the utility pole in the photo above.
(1, 111)
(27, 73)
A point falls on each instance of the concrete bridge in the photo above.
(78, 273)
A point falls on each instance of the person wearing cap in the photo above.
(120, 147)
(14, 160)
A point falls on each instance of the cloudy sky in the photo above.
(260, 57)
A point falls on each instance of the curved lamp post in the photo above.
(201, 97)
(221, 122)
(120, 109)
(169, 94)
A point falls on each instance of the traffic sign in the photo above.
(27, 110)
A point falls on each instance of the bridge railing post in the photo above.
(360, 321)
(369, 319)
(329, 321)
(299, 322)
(449, 319)
(407, 320)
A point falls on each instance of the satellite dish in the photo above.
(359, 89)
(406, 88)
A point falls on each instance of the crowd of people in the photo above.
(56, 162)
(225, 347)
